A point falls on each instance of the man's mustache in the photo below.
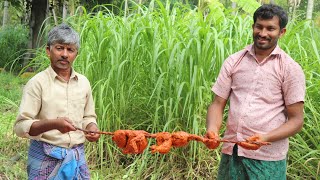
(63, 60)
(263, 38)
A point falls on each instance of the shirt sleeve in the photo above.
(294, 85)
(28, 110)
(222, 86)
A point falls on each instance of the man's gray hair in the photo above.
(63, 34)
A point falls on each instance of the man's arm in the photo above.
(214, 121)
(215, 114)
(291, 127)
(62, 124)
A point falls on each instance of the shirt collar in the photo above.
(276, 51)
(54, 75)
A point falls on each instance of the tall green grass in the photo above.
(153, 70)
(12, 149)
(304, 155)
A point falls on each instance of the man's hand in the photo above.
(252, 143)
(211, 140)
(64, 125)
(92, 136)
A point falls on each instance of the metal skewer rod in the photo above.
(95, 132)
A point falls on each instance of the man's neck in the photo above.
(64, 73)
(261, 54)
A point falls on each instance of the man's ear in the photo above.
(282, 31)
(48, 50)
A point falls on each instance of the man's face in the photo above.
(266, 33)
(62, 55)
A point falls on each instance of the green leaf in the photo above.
(248, 6)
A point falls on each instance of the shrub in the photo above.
(13, 44)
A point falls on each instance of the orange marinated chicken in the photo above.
(196, 138)
(181, 138)
(164, 143)
(131, 141)
(166, 140)
(135, 141)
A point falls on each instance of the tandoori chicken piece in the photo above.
(166, 140)
(164, 143)
(181, 138)
(131, 141)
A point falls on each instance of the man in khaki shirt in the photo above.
(54, 104)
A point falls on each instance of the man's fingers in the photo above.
(253, 138)
(249, 146)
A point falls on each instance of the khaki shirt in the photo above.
(48, 96)
(259, 93)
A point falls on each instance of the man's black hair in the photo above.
(268, 11)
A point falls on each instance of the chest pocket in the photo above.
(78, 97)
(269, 87)
(78, 100)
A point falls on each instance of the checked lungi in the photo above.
(46, 161)
(234, 167)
